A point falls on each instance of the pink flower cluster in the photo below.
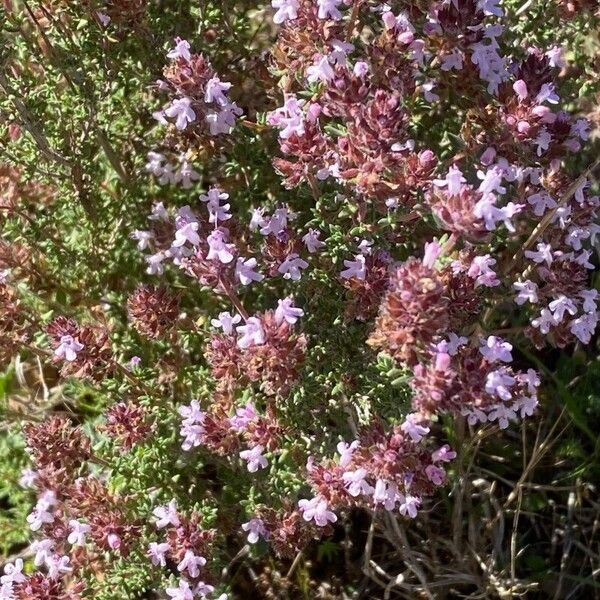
(186, 545)
(198, 96)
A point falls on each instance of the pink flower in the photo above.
(361, 69)
(187, 233)
(286, 311)
(158, 553)
(243, 417)
(215, 91)
(526, 405)
(408, 505)
(181, 111)
(556, 57)
(560, 306)
(186, 175)
(503, 414)
(192, 413)
(453, 344)
(543, 254)
(428, 93)
(289, 118)
(495, 348)
(386, 494)
(432, 252)
(217, 211)
(28, 478)
(354, 268)
(68, 348)
(286, 10)
(589, 300)
(193, 434)
(105, 20)
(44, 552)
(257, 220)
(454, 60)
(183, 592)
(547, 94)
(181, 50)
(346, 451)
(166, 515)
(254, 458)
(39, 517)
(583, 327)
(487, 210)
(328, 9)
(155, 266)
(244, 271)
(498, 383)
(78, 533)
(277, 222)
(114, 541)
(541, 202)
(192, 429)
(143, 238)
(488, 156)
(321, 70)
(58, 566)
(311, 240)
(542, 141)
(544, 322)
(218, 249)
(526, 292)
(436, 475)
(356, 484)
(412, 426)
(256, 529)
(13, 573)
(191, 563)
(317, 510)
(520, 88)
(443, 454)
(252, 333)
(226, 322)
(223, 121)
(292, 266)
(453, 181)
(491, 181)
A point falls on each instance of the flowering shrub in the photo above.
(277, 266)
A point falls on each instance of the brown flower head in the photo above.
(365, 294)
(413, 312)
(40, 587)
(276, 362)
(14, 327)
(57, 444)
(153, 311)
(127, 424)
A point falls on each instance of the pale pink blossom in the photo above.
(252, 333)
(317, 510)
(226, 321)
(191, 563)
(181, 110)
(256, 529)
(354, 268)
(181, 50)
(286, 311)
(254, 458)
(166, 515)
(244, 271)
(158, 553)
(68, 348)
